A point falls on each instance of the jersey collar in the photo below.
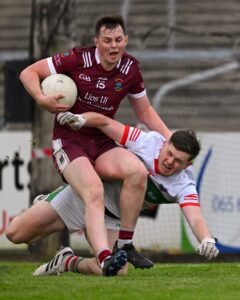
(97, 56)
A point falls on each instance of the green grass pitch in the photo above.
(218, 281)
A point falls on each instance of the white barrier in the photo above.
(15, 155)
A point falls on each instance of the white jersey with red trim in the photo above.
(180, 187)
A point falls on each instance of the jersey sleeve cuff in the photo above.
(139, 95)
(125, 135)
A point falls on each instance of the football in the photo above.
(60, 83)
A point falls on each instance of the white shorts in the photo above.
(71, 208)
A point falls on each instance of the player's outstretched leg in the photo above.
(134, 257)
(114, 263)
(56, 265)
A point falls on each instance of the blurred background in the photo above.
(189, 56)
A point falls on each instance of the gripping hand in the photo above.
(75, 121)
(208, 248)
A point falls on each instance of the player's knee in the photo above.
(17, 232)
(13, 234)
(139, 178)
(94, 196)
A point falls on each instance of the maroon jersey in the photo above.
(98, 90)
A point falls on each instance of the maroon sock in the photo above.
(125, 237)
(103, 255)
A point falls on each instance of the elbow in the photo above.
(27, 74)
(22, 76)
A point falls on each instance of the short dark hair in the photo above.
(186, 140)
(110, 22)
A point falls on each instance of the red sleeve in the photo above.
(125, 135)
(189, 204)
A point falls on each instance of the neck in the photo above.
(107, 66)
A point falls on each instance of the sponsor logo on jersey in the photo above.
(96, 99)
(98, 106)
(118, 85)
(57, 60)
(152, 196)
(84, 77)
(66, 53)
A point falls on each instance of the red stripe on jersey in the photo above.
(191, 197)
(156, 165)
(125, 135)
(135, 134)
(189, 204)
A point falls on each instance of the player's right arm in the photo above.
(112, 128)
(200, 229)
(31, 78)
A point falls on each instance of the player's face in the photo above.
(111, 44)
(171, 160)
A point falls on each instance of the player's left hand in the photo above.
(208, 248)
(75, 121)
